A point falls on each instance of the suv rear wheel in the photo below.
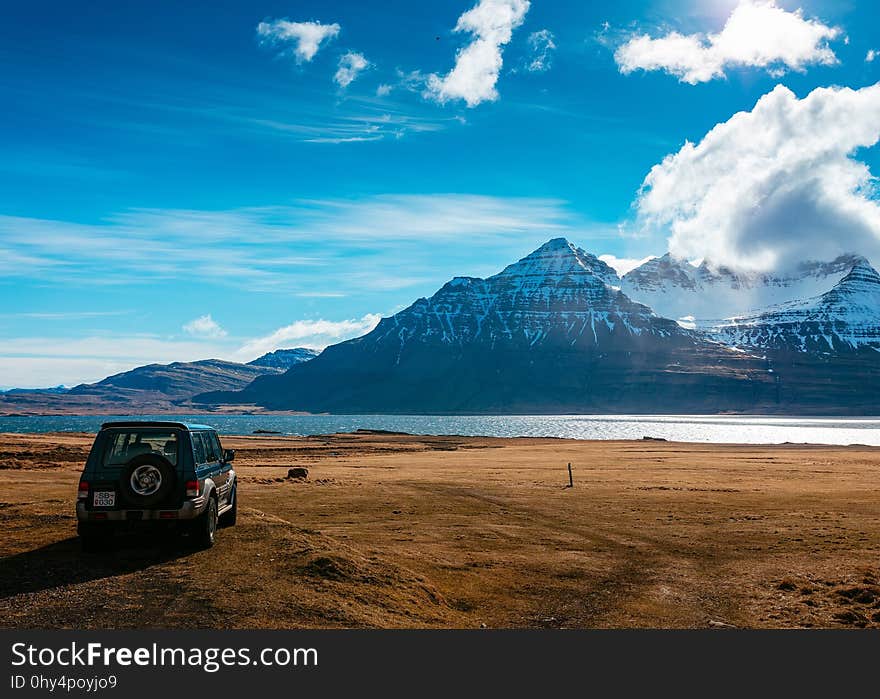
(205, 526)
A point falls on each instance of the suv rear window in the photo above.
(125, 445)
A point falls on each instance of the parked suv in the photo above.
(169, 475)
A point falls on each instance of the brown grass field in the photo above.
(405, 531)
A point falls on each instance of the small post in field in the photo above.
(570, 479)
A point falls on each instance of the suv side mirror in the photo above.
(228, 455)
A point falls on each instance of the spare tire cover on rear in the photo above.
(147, 480)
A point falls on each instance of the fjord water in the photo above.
(683, 428)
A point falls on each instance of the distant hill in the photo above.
(51, 389)
(285, 358)
(145, 389)
(177, 380)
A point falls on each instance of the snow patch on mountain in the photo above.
(285, 358)
(703, 296)
(844, 319)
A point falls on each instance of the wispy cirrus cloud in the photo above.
(65, 315)
(269, 248)
(371, 123)
(758, 34)
(256, 111)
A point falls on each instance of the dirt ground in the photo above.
(403, 531)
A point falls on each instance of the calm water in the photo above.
(684, 428)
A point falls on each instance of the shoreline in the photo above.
(296, 413)
(501, 438)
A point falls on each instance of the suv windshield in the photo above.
(125, 445)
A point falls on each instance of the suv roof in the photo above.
(156, 423)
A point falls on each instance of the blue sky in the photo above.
(177, 183)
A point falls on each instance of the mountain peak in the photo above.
(861, 286)
(862, 270)
(558, 258)
(557, 244)
(660, 272)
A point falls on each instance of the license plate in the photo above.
(104, 498)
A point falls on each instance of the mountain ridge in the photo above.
(549, 332)
(844, 319)
(702, 295)
(147, 388)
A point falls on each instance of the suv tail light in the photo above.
(83, 491)
(192, 489)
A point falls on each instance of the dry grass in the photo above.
(399, 531)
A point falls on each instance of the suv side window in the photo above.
(198, 447)
(218, 450)
(212, 454)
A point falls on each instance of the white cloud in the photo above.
(306, 37)
(757, 34)
(315, 334)
(478, 64)
(871, 55)
(542, 47)
(775, 185)
(383, 90)
(204, 326)
(622, 265)
(351, 65)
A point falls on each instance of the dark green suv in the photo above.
(169, 475)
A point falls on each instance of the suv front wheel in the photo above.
(205, 526)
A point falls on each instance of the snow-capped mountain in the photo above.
(844, 319)
(549, 333)
(702, 296)
(559, 295)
